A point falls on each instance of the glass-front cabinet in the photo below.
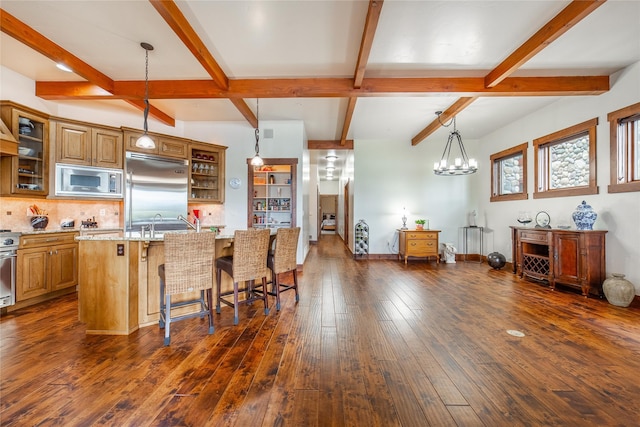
(272, 194)
(27, 173)
(207, 173)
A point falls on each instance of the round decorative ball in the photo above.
(496, 260)
(39, 222)
(618, 290)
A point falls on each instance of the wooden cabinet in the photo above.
(25, 175)
(207, 163)
(418, 243)
(166, 146)
(46, 263)
(574, 258)
(88, 145)
(272, 194)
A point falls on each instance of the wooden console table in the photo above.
(418, 243)
(570, 257)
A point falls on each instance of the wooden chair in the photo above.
(282, 260)
(188, 267)
(247, 264)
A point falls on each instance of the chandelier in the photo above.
(450, 164)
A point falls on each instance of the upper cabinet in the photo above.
(8, 144)
(207, 173)
(167, 146)
(85, 144)
(27, 173)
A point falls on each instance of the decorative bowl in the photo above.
(39, 222)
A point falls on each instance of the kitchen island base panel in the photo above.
(120, 293)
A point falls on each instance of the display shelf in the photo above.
(272, 195)
(26, 174)
(206, 174)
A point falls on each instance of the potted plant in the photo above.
(420, 224)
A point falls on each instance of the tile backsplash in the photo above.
(14, 212)
(108, 214)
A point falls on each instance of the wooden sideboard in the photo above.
(574, 258)
(418, 243)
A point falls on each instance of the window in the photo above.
(509, 174)
(565, 162)
(625, 149)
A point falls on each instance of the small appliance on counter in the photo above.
(89, 223)
(67, 223)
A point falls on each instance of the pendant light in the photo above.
(462, 165)
(145, 140)
(257, 160)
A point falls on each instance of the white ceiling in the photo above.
(304, 38)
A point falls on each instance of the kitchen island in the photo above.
(118, 283)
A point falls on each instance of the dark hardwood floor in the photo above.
(371, 343)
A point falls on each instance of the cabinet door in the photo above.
(567, 258)
(73, 144)
(32, 273)
(27, 174)
(172, 147)
(107, 148)
(63, 266)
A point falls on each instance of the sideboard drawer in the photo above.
(422, 235)
(534, 236)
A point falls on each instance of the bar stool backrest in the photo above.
(250, 250)
(286, 250)
(188, 261)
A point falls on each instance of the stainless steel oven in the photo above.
(8, 258)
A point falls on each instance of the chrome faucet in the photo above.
(153, 225)
(186, 221)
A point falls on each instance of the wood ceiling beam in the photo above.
(329, 88)
(568, 17)
(100, 84)
(370, 26)
(561, 23)
(321, 144)
(448, 114)
(153, 111)
(26, 35)
(351, 106)
(183, 29)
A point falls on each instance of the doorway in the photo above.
(328, 209)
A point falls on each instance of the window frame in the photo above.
(498, 157)
(541, 145)
(614, 118)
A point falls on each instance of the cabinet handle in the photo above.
(56, 252)
(50, 252)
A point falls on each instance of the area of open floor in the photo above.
(375, 343)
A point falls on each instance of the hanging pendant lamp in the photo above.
(145, 140)
(460, 165)
(257, 160)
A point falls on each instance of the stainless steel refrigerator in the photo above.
(155, 185)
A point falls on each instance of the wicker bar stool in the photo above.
(188, 267)
(282, 260)
(247, 264)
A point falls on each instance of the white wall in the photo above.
(386, 180)
(618, 213)
(329, 187)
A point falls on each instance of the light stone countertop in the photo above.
(135, 236)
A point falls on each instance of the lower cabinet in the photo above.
(418, 243)
(575, 258)
(46, 263)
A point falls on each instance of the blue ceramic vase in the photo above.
(584, 216)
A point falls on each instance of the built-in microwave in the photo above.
(85, 181)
